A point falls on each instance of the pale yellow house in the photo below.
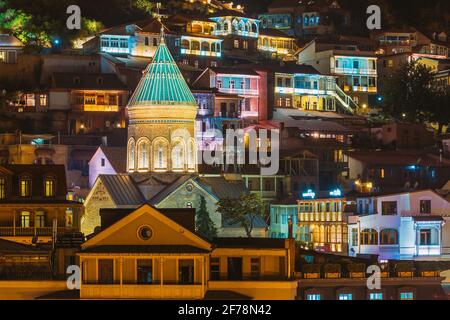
(155, 254)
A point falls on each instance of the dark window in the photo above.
(425, 206)
(389, 208)
(354, 237)
(145, 271)
(103, 162)
(425, 237)
(186, 271)
(105, 271)
(215, 268)
(389, 236)
(235, 268)
(255, 267)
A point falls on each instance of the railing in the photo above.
(251, 92)
(207, 53)
(354, 71)
(134, 291)
(346, 101)
(31, 232)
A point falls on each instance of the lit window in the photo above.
(406, 296)
(25, 217)
(39, 219)
(376, 296)
(345, 296)
(369, 237)
(313, 297)
(2, 188)
(236, 44)
(2, 56)
(31, 101)
(43, 100)
(69, 217)
(50, 187)
(25, 187)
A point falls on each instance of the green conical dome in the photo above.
(162, 83)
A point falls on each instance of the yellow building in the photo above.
(322, 224)
(155, 254)
(162, 113)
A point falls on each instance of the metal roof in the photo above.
(122, 189)
(162, 83)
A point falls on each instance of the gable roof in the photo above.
(122, 189)
(117, 157)
(9, 41)
(222, 188)
(155, 213)
(162, 83)
(183, 216)
(170, 188)
(144, 249)
(105, 81)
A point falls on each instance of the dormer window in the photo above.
(76, 80)
(2, 188)
(50, 187)
(25, 187)
(99, 80)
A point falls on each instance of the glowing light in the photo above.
(309, 194)
(336, 193)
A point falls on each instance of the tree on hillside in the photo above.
(203, 223)
(408, 93)
(243, 211)
(440, 112)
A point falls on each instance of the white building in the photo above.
(409, 225)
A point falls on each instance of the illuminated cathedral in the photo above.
(162, 113)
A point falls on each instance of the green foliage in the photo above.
(242, 211)
(203, 223)
(145, 5)
(411, 94)
(408, 92)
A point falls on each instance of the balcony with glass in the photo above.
(353, 66)
(206, 47)
(244, 85)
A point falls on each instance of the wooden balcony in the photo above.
(95, 108)
(142, 291)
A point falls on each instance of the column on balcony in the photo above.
(14, 222)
